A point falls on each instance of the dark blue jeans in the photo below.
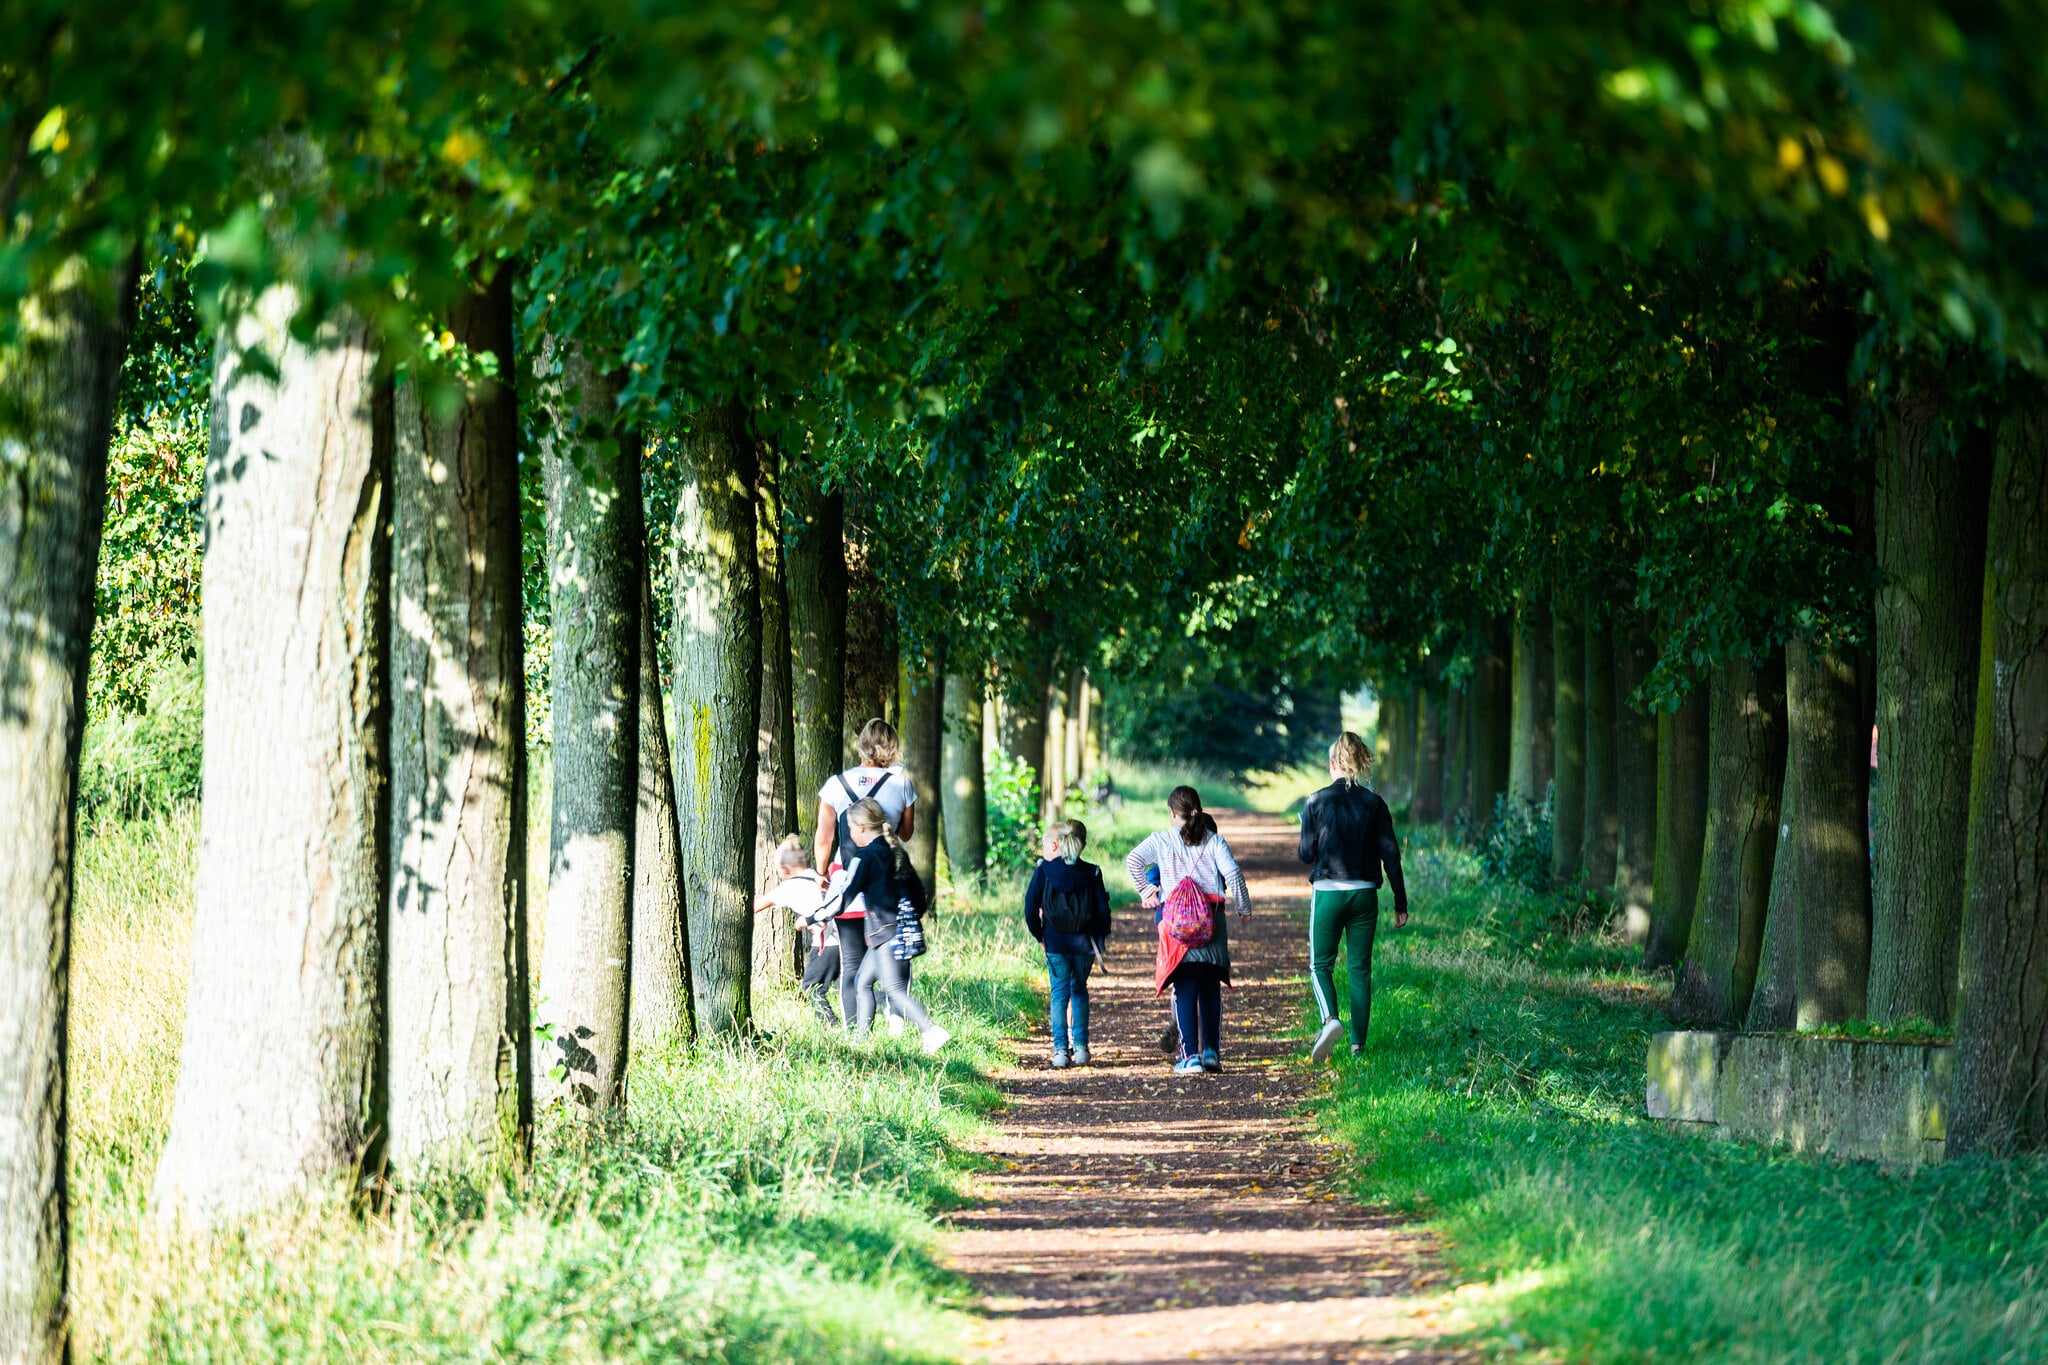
(1198, 1007)
(1068, 975)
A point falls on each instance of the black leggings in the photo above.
(1198, 1007)
(819, 968)
(894, 977)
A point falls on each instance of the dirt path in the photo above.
(1145, 1217)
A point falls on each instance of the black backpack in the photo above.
(845, 849)
(1069, 912)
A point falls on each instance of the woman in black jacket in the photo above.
(1347, 840)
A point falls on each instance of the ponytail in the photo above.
(1196, 824)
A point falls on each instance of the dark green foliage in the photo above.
(1515, 848)
(1226, 708)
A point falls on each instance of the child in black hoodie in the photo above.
(1066, 908)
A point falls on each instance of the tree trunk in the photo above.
(456, 977)
(815, 530)
(281, 1085)
(1681, 828)
(1489, 735)
(2001, 1086)
(1087, 754)
(1602, 827)
(1527, 777)
(1457, 713)
(1568, 706)
(1774, 1004)
(964, 816)
(662, 1014)
(1023, 706)
(1745, 777)
(1077, 716)
(777, 946)
(1545, 757)
(922, 705)
(717, 649)
(1827, 764)
(1428, 805)
(1389, 750)
(58, 381)
(870, 651)
(1931, 509)
(1635, 779)
(596, 540)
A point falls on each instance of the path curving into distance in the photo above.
(1142, 1217)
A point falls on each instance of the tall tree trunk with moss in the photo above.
(1601, 837)
(1774, 1004)
(2001, 1085)
(461, 1097)
(59, 377)
(1489, 736)
(777, 951)
(1931, 508)
(1827, 765)
(1745, 777)
(815, 531)
(281, 1083)
(1457, 714)
(1568, 706)
(870, 648)
(1682, 782)
(1529, 764)
(717, 649)
(1428, 806)
(963, 787)
(1635, 777)
(662, 1014)
(923, 707)
(596, 544)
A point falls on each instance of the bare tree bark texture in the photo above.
(662, 1013)
(777, 955)
(1745, 777)
(870, 650)
(1681, 827)
(816, 565)
(281, 1082)
(1774, 1004)
(455, 981)
(1428, 805)
(1635, 779)
(596, 541)
(1600, 840)
(923, 708)
(962, 781)
(1931, 508)
(1530, 758)
(1054, 763)
(1489, 736)
(2001, 1089)
(1457, 712)
(1827, 768)
(59, 378)
(716, 644)
(1077, 721)
(1568, 708)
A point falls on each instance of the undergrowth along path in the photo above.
(1136, 1216)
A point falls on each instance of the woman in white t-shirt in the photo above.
(879, 778)
(802, 893)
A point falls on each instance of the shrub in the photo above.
(1012, 813)
(1516, 849)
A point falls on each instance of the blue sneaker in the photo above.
(1211, 1063)
(1188, 1066)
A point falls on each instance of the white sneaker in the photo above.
(1326, 1041)
(934, 1039)
(896, 1026)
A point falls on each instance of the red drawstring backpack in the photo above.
(1189, 916)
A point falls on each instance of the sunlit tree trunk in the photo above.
(596, 541)
(2001, 1087)
(1930, 548)
(456, 974)
(923, 708)
(662, 1012)
(1681, 827)
(1568, 707)
(776, 951)
(281, 1083)
(1428, 805)
(1745, 777)
(1635, 779)
(1774, 1004)
(59, 377)
(717, 649)
(816, 566)
(961, 778)
(1077, 722)
(1601, 837)
(1489, 734)
(1827, 765)
(1053, 794)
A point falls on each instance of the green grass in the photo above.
(774, 1202)
(1501, 1100)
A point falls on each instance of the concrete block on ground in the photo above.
(1685, 1074)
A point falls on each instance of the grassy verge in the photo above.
(767, 1203)
(1500, 1100)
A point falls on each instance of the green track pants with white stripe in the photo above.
(1353, 916)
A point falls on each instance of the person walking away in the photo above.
(1066, 908)
(880, 778)
(1197, 875)
(888, 899)
(802, 894)
(1347, 840)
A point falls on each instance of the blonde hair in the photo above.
(792, 853)
(1071, 836)
(878, 744)
(869, 814)
(1350, 756)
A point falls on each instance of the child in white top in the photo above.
(805, 896)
